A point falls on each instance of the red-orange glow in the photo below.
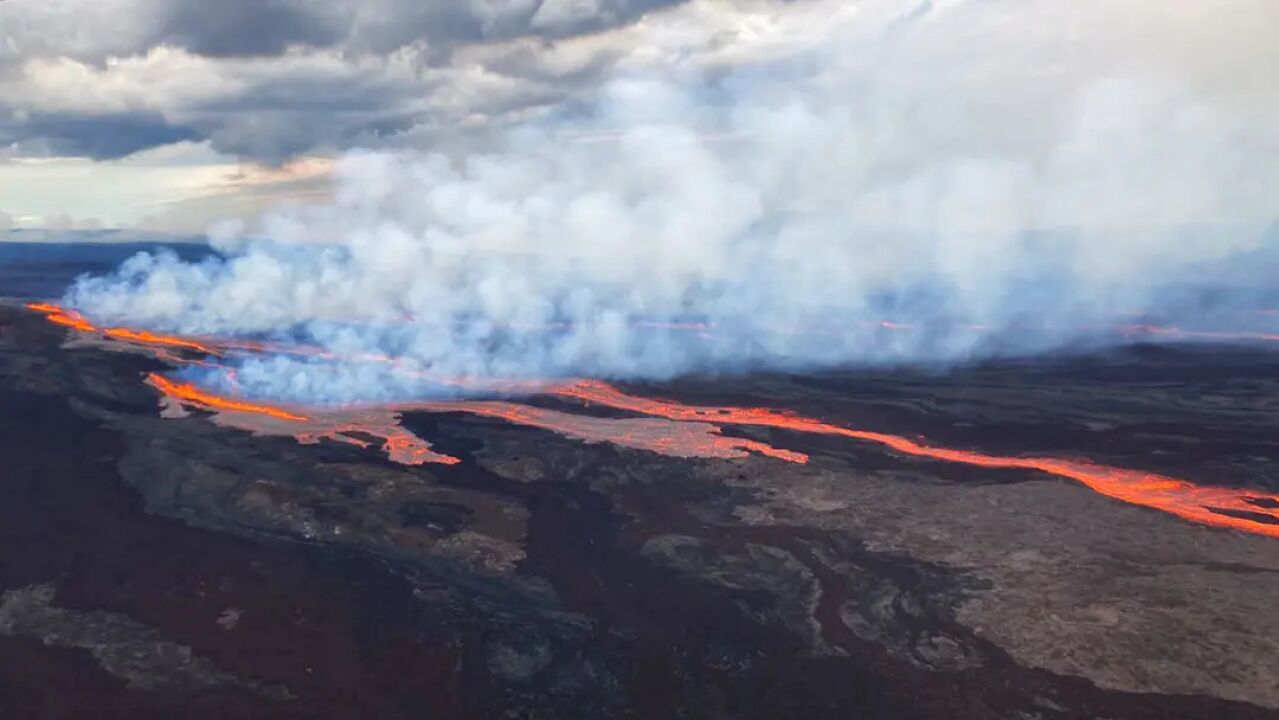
(72, 319)
(1201, 504)
(144, 337)
(186, 392)
(694, 432)
(61, 316)
(408, 449)
(339, 425)
(400, 445)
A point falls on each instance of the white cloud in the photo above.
(84, 67)
(74, 28)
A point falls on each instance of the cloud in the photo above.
(386, 25)
(102, 137)
(259, 108)
(1005, 177)
(268, 79)
(76, 29)
(252, 28)
(93, 31)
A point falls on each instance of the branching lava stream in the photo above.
(671, 428)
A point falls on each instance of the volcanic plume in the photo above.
(912, 183)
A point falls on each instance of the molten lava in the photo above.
(1207, 505)
(683, 430)
(142, 337)
(76, 321)
(189, 393)
(60, 316)
(344, 425)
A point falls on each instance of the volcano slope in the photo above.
(175, 564)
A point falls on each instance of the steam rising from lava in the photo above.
(1002, 176)
(682, 431)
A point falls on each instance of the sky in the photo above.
(171, 115)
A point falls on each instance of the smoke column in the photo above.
(1004, 177)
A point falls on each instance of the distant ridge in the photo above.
(97, 236)
(44, 269)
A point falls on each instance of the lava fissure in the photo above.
(192, 394)
(1178, 497)
(683, 430)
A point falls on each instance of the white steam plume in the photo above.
(1008, 176)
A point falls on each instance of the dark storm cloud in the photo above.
(270, 27)
(385, 25)
(102, 137)
(273, 107)
(225, 28)
(278, 118)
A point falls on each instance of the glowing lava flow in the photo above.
(143, 337)
(693, 432)
(187, 392)
(344, 425)
(59, 316)
(74, 320)
(1254, 512)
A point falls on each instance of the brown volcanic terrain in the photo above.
(178, 566)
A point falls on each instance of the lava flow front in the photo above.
(670, 428)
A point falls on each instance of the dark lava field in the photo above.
(171, 567)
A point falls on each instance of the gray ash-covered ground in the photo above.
(155, 567)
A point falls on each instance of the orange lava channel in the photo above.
(190, 393)
(340, 425)
(60, 316)
(1255, 512)
(72, 319)
(143, 337)
(1181, 498)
